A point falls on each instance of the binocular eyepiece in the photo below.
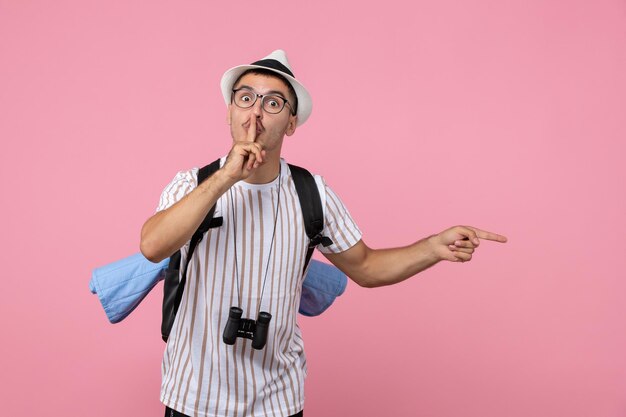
(246, 328)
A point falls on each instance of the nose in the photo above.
(257, 108)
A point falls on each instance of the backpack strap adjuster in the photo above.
(319, 238)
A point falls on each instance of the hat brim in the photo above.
(305, 104)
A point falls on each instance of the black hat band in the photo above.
(273, 64)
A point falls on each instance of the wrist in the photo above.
(222, 181)
(216, 185)
(432, 243)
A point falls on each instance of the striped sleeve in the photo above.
(338, 224)
(182, 184)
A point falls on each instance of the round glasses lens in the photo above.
(273, 104)
(244, 98)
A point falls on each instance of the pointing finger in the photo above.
(483, 234)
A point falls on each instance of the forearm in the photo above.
(168, 230)
(379, 267)
(389, 266)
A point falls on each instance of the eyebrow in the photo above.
(271, 92)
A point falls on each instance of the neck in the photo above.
(267, 172)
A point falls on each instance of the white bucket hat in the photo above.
(276, 62)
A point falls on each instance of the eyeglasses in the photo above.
(271, 103)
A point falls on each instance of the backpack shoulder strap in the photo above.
(173, 288)
(208, 223)
(312, 210)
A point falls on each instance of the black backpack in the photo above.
(312, 212)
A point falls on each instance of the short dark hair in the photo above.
(293, 100)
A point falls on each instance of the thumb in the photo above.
(469, 234)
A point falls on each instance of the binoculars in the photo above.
(246, 328)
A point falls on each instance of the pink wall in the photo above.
(509, 116)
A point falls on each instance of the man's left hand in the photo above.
(457, 244)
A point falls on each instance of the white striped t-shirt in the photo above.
(203, 376)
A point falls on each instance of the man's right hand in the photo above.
(245, 156)
(168, 230)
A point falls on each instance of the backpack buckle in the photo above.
(319, 238)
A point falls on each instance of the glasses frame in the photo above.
(263, 96)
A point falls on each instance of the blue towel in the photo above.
(122, 285)
(322, 284)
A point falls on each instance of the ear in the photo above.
(291, 127)
(228, 119)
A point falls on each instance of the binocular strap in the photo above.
(232, 207)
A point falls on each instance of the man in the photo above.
(254, 260)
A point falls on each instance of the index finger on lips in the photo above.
(251, 137)
(483, 234)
